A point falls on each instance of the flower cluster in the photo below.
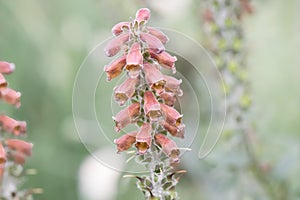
(13, 151)
(152, 93)
(150, 97)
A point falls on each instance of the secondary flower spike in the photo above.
(150, 97)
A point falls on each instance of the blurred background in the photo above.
(48, 41)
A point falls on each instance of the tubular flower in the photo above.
(164, 59)
(125, 141)
(173, 117)
(114, 46)
(115, 68)
(134, 60)
(154, 78)
(152, 96)
(157, 33)
(126, 116)
(126, 90)
(144, 138)
(10, 96)
(6, 67)
(13, 152)
(11, 125)
(173, 85)
(151, 106)
(169, 146)
(120, 28)
(142, 14)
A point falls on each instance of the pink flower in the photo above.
(125, 91)
(115, 68)
(20, 148)
(6, 67)
(134, 60)
(114, 46)
(153, 42)
(169, 98)
(144, 138)
(173, 117)
(126, 116)
(169, 147)
(154, 77)
(2, 154)
(173, 85)
(176, 131)
(151, 106)
(10, 96)
(119, 28)
(12, 126)
(164, 59)
(3, 82)
(157, 33)
(125, 141)
(142, 14)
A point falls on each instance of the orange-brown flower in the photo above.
(134, 60)
(115, 68)
(169, 147)
(126, 116)
(151, 106)
(164, 59)
(12, 126)
(154, 78)
(172, 116)
(176, 131)
(114, 46)
(125, 91)
(169, 98)
(125, 141)
(173, 85)
(144, 138)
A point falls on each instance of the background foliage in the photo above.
(48, 40)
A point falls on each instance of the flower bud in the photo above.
(119, 28)
(173, 117)
(142, 14)
(126, 116)
(154, 78)
(125, 91)
(169, 147)
(134, 60)
(114, 46)
(173, 85)
(6, 67)
(157, 33)
(144, 138)
(153, 43)
(10, 96)
(164, 59)
(115, 68)
(125, 141)
(151, 106)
